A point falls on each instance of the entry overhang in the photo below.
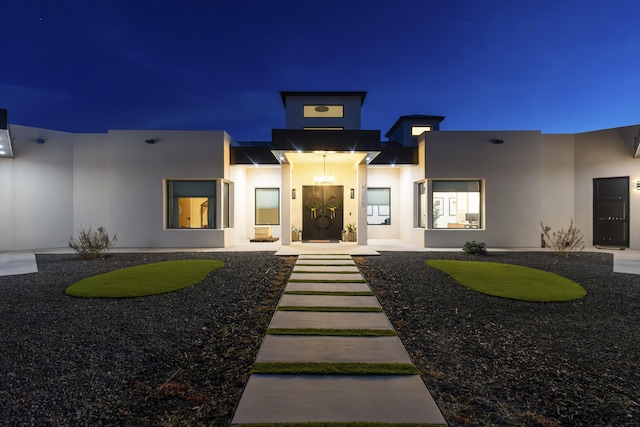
(325, 140)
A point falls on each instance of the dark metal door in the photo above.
(322, 212)
(611, 212)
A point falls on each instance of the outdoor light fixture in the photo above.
(324, 179)
(353, 193)
(40, 140)
(293, 193)
(497, 141)
(637, 185)
(150, 141)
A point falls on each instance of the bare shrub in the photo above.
(92, 244)
(562, 242)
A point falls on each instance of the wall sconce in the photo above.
(637, 185)
(497, 141)
(40, 140)
(150, 141)
(293, 193)
(353, 193)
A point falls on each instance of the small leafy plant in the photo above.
(92, 244)
(351, 227)
(475, 248)
(562, 242)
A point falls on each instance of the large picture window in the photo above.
(267, 206)
(378, 206)
(456, 204)
(191, 204)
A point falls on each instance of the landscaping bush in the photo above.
(92, 244)
(475, 248)
(563, 242)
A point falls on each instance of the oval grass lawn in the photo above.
(144, 280)
(511, 281)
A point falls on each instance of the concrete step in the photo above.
(327, 287)
(329, 349)
(325, 398)
(328, 301)
(311, 319)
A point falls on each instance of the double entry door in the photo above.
(322, 217)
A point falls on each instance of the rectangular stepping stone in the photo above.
(324, 256)
(328, 301)
(325, 262)
(329, 349)
(311, 319)
(327, 287)
(318, 398)
(326, 268)
(329, 277)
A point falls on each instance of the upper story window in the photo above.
(315, 110)
(419, 129)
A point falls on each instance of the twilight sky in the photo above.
(91, 65)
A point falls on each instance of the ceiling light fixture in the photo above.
(324, 179)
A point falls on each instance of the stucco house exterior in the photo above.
(421, 185)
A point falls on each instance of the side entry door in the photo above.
(611, 212)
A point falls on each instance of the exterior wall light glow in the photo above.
(637, 185)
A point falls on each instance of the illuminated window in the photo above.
(267, 206)
(191, 204)
(378, 206)
(456, 204)
(419, 129)
(323, 111)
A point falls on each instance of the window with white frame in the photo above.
(191, 204)
(456, 204)
(267, 206)
(378, 206)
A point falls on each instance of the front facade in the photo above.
(323, 175)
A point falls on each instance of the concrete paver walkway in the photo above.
(300, 398)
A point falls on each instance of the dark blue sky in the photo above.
(93, 65)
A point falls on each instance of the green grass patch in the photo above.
(144, 280)
(331, 309)
(337, 293)
(511, 281)
(346, 368)
(333, 332)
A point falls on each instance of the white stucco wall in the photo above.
(604, 154)
(135, 187)
(511, 174)
(557, 188)
(36, 190)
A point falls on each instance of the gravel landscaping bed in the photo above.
(183, 358)
(175, 359)
(494, 361)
